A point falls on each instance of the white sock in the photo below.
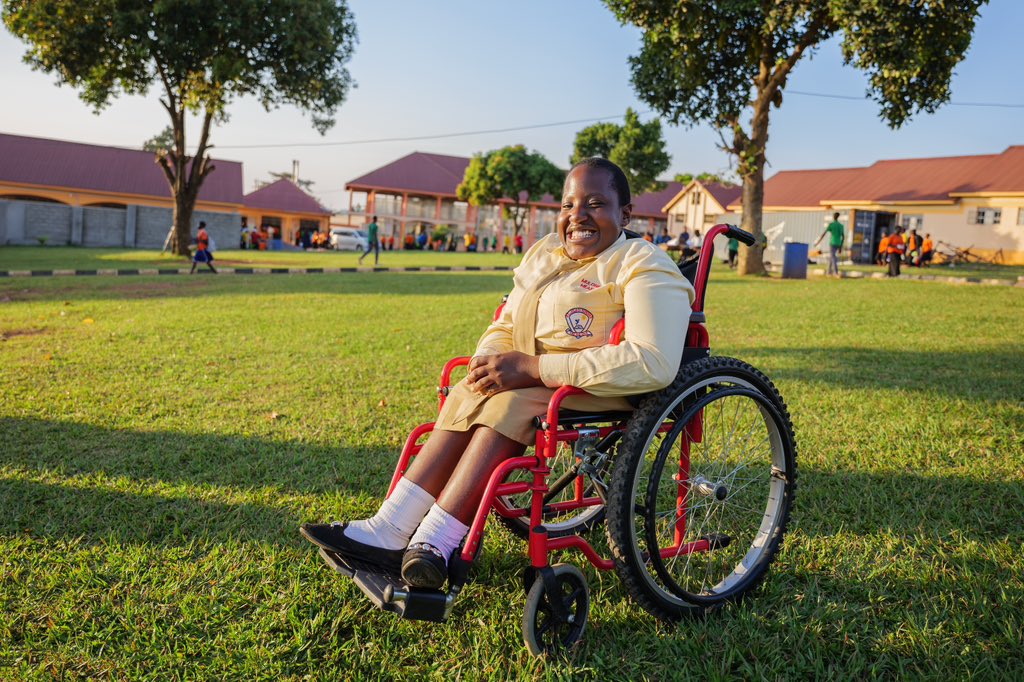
(395, 521)
(442, 530)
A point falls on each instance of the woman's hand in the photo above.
(489, 374)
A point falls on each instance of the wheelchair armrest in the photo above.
(449, 367)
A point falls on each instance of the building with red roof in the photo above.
(700, 205)
(61, 192)
(417, 192)
(974, 202)
(286, 209)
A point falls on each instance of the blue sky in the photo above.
(436, 68)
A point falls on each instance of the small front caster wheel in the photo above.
(554, 622)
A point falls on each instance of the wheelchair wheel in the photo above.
(563, 485)
(702, 489)
(554, 622)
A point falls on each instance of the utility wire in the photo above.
(952, 104)
(425, 137)
(535, 126)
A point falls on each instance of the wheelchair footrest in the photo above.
(388, 592)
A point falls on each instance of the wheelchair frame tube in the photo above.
(707, 251)
(492, 490)
(446, 377)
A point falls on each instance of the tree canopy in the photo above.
(720, 61)
(201, 55)
(511, 173)
(687, 178)
(160, 142)
(637, 148)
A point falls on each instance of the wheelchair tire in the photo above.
(576, 522)
(727, 503)
(544, 631)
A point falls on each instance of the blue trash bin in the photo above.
(794, 261)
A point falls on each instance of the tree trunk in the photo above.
(184, 174)
(751, 259)
(183, 208)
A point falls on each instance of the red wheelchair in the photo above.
(694, 487)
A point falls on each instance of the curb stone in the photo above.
(128, 272)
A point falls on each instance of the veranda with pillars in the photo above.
(399, 214)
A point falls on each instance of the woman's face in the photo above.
(591, 217)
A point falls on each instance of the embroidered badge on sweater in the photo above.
(579, 321)
(588, 285)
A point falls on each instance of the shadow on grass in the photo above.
(110, 475)
(977, 375)
(169, 457)
(103, 466)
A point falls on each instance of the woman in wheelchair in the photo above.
(569, 291)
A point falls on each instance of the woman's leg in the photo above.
(432, 468)
(465, 488)
(386, 533)
(425, 563)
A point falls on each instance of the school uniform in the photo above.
(563, 311)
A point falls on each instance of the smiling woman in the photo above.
(568, 292)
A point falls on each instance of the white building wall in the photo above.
(950, 228)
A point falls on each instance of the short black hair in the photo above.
(619, 182)
(202, 223)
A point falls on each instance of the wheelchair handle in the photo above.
(734, 232)
(707, 251)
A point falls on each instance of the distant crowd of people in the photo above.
(258, 238)
(895, 250)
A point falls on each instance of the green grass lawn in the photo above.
(161, 439)
(74, 258)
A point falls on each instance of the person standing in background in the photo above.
(895, 250)
(927, 250)
(372, 243)
(913, 248)
(837, 233)
(734, 252)
(202, 254)
(883, 248)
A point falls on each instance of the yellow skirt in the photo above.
(511, 413)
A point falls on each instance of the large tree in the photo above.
(723, 61)
(201, 55)
(638, 148)
(511, 173)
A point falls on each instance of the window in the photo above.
(1020, 216)
(985, 216)
(912, 222)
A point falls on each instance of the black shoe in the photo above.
(424, 566)
(331, 536)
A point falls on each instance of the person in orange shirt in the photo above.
(895, 249)
(202, 254)
(913, 248)
(883, 249)
(927, 250)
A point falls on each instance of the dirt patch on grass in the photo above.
(11, 333)
(127, 288)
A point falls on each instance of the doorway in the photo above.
(867, 233)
